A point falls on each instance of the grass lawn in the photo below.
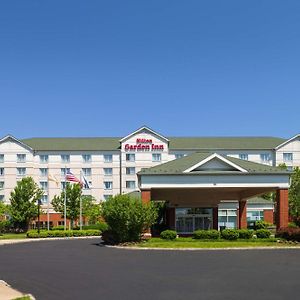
(12, 236)
(192, 243)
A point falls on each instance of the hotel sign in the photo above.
(144, 145)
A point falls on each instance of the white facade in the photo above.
(113, 171)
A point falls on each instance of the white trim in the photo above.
(211, 157)
(286, 142)
(140, 129)
(7, 137)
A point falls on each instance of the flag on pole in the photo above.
(84, 182)
(71, 178)
(53, 178)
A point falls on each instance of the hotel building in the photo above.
(113, 165)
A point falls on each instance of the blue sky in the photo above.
(193, 68)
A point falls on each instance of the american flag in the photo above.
(71, 178)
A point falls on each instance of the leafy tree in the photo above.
(90, 209)
(73, 194)
(23, 201)
(127, 218)
(294, 196)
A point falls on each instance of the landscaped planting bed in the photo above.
(61, 233)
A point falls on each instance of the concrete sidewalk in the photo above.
(8, 293)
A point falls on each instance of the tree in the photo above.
(90, 209)
(23, 200)
(127, 218)
(294, 195)
(73, 194)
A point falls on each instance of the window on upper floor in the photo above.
(243, 156)
(265, 157)
(1, 198)
(1, 158)
(21, 158)
(130, 157)
(289, 168)
(44, 159)
(87, 171)
(287, 157)
(108, 185)
(43, 172)
(179, 155)
(63, 185)
(64, 171)
(44, 185)
(44, 199)
(130, 171)
(107, 171)
(87, 158)
(106, 197)
(1, 185)
(1, 171)
(130, 184)
(65, 158)
(21, 171)
(108, 158)
(156, 157)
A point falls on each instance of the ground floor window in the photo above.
(255, 215)
(190, 219)
(227, 218)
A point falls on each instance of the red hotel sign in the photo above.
(144, 145)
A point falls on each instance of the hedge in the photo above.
(263, 233)
(230, 234)
(60, 233)
(290, 234)
(168, 235)
(206, 234)
(245, 234)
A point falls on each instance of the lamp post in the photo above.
(39, 206)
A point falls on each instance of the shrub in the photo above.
(290, 234)
(60, 227)
(5, 225)
(262, 225)
(168, 235)
(263, 233)
(60, 233)
(293, 225)
(245, 233)
(127, 218)
(102, 226)
(230, 234)
(206, 234)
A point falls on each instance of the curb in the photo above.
(10, 293)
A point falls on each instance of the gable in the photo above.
(11, 144)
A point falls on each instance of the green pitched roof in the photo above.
(176, 143)
(73, 144)
(178, 166)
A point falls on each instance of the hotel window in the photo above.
(130, 184)
(65, 158)
(1, 198)
(1, 171)
(1, 158)
(108, 158)
(1, 185)
(21, 158)
(288, 157)
(44, 185)
(87, 158)
(156, 157)
(289, 168)
(130, 171)
(179, 155)
(63, 185)
(87, 171)
(44, 159)
(64, 171)
(107, 171)
(44, 199)
(106, 197)
(43, 172)
(130, 157)
(108, 185)
(265, 157)
(21, 171)
(255, 215)
(227, 218)
(243, 156)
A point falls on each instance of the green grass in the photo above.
(192, 243)
(12, 236)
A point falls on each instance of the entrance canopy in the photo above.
(205, 179)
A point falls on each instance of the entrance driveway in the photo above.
(81, 269)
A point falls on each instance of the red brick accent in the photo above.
(171, 217)
(55, 218)
(242, 214)
(282, 208)
(146, 196)
(215, 218)
(269, 216)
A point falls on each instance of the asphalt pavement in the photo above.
(83, 269)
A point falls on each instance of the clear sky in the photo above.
(192, 68)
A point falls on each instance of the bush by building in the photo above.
(245, 234)
(262, 225)
(230, 234)
(206, 234)
(263, 233)
(290, 234)
(61, 233)
(168, 235)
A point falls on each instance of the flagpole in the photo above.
(65, 201)
(80, 200)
